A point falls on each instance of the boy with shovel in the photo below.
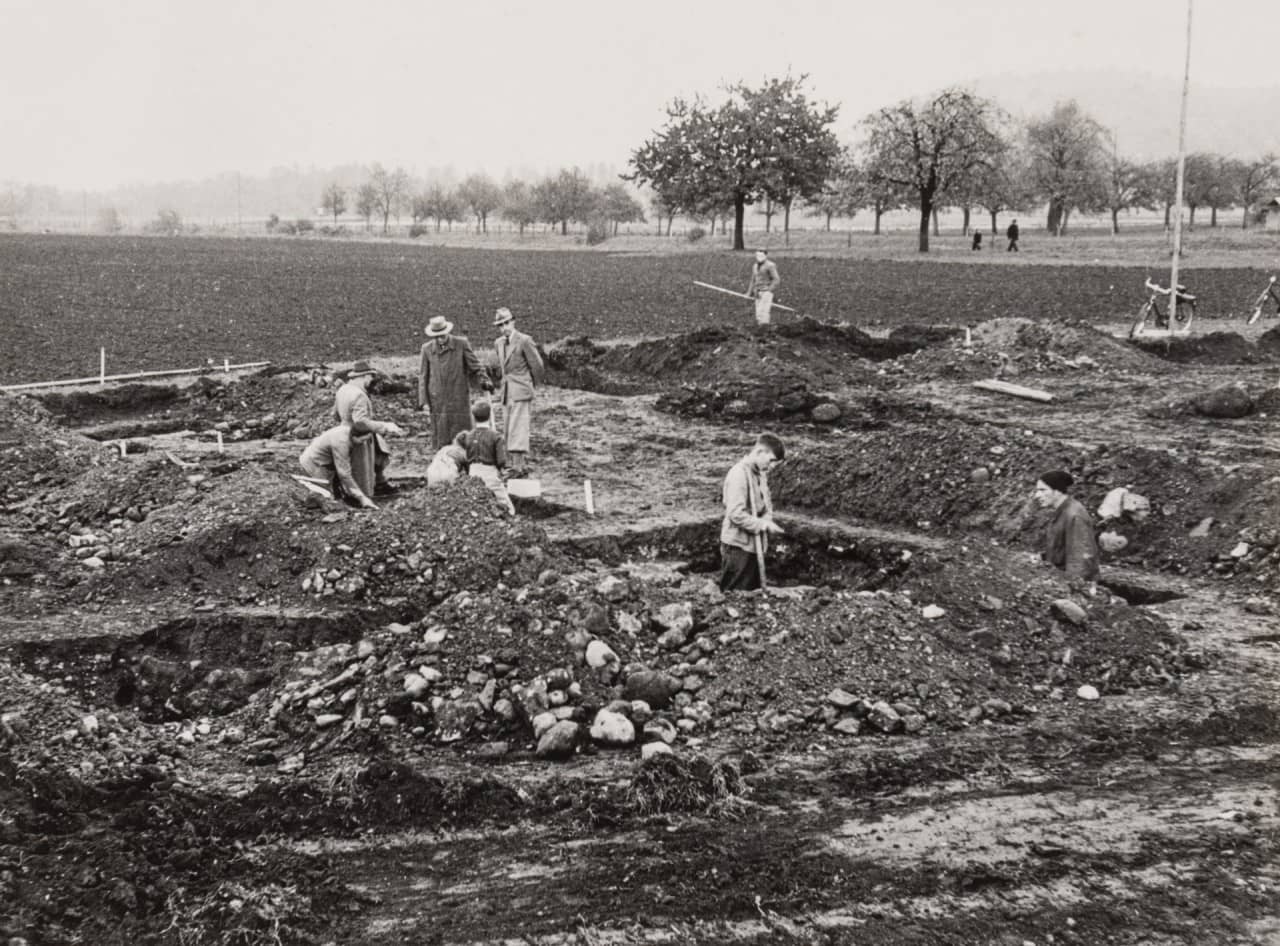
(748, 516)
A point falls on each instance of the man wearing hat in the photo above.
(352, 404)
(444, 380)
(522, 371)
(328, 458)
(1069, 542)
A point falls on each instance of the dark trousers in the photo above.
(1013, 246)
(739, 570)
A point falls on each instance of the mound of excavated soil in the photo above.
(1269, 341)
(1213, 348)
(36, 455)
(816, 354)
(1014, 346)
(147, 529)
(294, 402)
(951, 477)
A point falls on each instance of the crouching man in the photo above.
(1069, 542)
(328, 458)
(748, 516)
(351, 404)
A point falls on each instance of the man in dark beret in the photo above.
(1069, 542)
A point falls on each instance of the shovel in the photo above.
(757, 540)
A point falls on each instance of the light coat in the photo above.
(352, 403)
(744, 483)
(522, 367)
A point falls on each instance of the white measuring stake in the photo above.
(220, 450)
(226, 365)
(124, 448)
(102, 366)
(968, 337)
(589, 499)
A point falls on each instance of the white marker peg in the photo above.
(588, 498)
(220, 448)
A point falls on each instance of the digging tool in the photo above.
(740, 295)
(757, 541)
(313, 485)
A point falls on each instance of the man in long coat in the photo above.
(522, 371)
(444, 381)
(1069, 540)
(352, 404)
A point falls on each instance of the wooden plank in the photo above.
(1014, 390)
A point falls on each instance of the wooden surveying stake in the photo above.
(1180, 180)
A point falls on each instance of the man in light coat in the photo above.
(351, 404)
(764, 282)
(445, 375)
(328, 458)
(748, 515)
(522, 372)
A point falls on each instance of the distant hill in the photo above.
(1143, 109)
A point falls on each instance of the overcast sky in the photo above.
(96, 94)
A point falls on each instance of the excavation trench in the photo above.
(202, 664)
(808, 555)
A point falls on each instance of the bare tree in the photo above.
(518, 205)
(925, 149)
(391, 192)
(1253, 180)
(482, 196)
(1066, 160)
(334, 201)
(366, 203)
(1128, 185)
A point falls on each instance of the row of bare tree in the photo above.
(560, 199)
(774, 148)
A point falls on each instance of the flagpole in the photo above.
(1180, 179)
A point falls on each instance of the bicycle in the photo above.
(1184, 309)
(1270, 291)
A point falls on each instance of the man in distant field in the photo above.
(351, 404)
(328, 458)
(1012, 234)
(764, 283)
(748, 515)
(1069, 540)
(522, 372)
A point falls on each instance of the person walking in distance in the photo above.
(764, 283)
(522, 372)
(446, 372)
(748, 516)
(1069, 541)
(1012, 234)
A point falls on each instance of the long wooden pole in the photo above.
(740, 295)
(1180, 179)
(103, 378)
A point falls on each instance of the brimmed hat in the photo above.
(361, 368)
(503, 316)
(438, 326)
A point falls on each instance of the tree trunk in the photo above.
(739, 213)
(1168, 208)
(386, 220)
(849, 237)
(828, 221)
(1055, 216)
(1115, 221)
(965, 230)
(786, 223)
(671, 218)
(879, 213)
(934, 216)
(1244, 221)
(564, 227)
(1062, 224)
(768, 214)
(994, 231)
(1213, 216)
(926, 210)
